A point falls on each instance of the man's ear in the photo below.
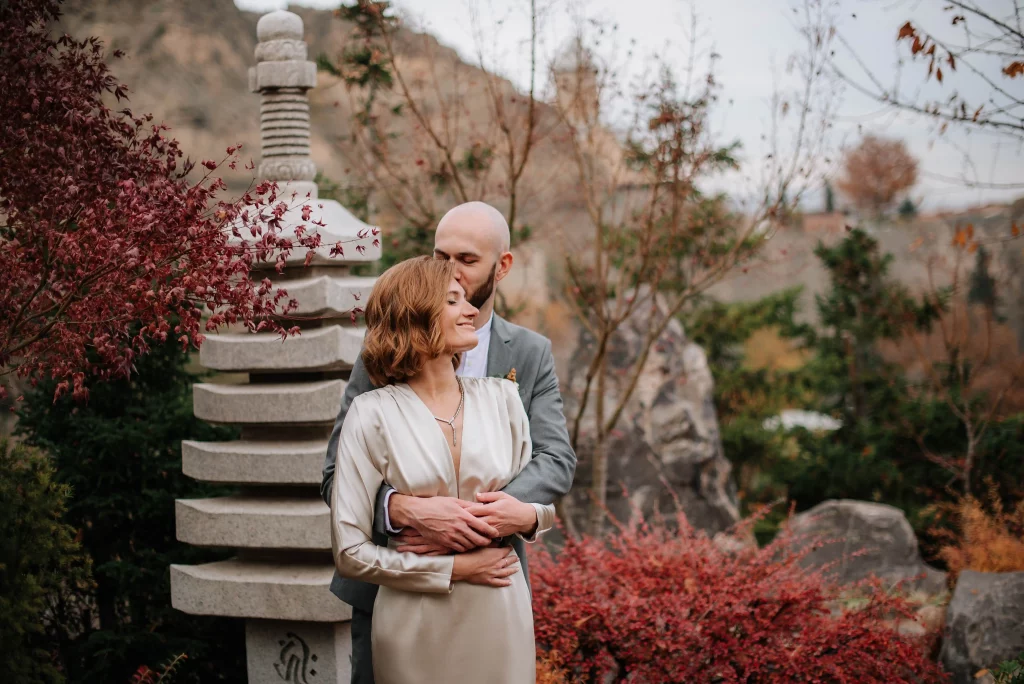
(504, 266)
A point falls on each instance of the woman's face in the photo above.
(458, 320)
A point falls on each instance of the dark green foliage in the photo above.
(983, 285)
(121, 454)
(830, 198)
(907, 209)
(863, 307)
(875, 455)
(888, 425)
(745, 397)
(363, 63)
(1010, 671)
(38, 558)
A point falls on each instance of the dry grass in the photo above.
(549, 669)
(766, 349)
(988, 538)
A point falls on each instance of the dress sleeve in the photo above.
(357, 479)
(522, 452)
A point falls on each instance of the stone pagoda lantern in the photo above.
(295, 629)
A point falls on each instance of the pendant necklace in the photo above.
(451, 423)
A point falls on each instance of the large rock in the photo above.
(668, 432)
(984, 622)
(862, 539)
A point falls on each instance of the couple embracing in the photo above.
(447, 455)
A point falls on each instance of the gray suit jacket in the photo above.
(547, 477)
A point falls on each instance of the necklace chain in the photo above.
(451, 423)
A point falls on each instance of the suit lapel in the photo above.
(499, 355)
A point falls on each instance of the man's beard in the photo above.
(484, 292)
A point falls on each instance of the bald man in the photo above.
(475, 236)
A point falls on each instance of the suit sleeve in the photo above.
(522, 454)
(353, 498)
(548, 475)
(358, 383)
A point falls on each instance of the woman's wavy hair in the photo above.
(403, 319)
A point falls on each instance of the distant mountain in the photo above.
(187, 63)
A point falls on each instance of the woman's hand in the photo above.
(491, 567)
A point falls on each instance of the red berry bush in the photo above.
(652, 604)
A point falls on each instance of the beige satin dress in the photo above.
(427, 628)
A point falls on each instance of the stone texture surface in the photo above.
(248, 522)
(863, 538)
(669, 430)
(300, 652)
(327, 348)
(290, 74)
(264, 590)
(279, 25)
(326, 295)
(252, 462)
(984, 623)
(287, 403)
(281, 50)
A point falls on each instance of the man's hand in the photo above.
(442, 521)
(505, 513)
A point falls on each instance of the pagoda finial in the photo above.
(283, 76)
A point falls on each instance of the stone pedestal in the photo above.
(296, 630)
(299, 652)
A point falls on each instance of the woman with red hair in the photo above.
(438, 617)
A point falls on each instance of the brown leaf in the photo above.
(938, 74)
(906, 31)
(1014, 69)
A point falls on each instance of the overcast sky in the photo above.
(755, 39)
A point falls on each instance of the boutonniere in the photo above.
(510, 377)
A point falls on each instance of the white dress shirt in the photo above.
(474, 362)
(474, 365)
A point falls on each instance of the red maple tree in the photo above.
(108, 241)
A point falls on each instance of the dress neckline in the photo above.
(456, 471)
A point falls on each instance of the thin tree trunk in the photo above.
(972, 447)
(599, 467)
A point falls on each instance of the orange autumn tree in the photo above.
(876, 173)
